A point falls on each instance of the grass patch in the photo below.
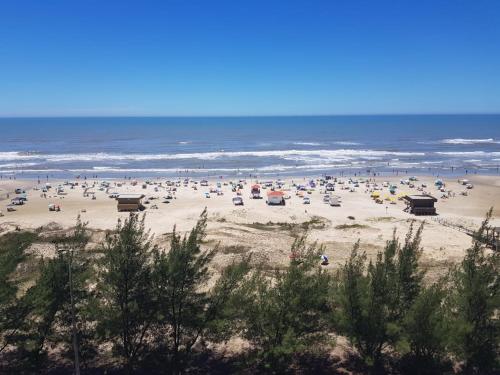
(234, 249)
(269, 226)
(210, 242)
(382, 219)
(351, 226)
(236, 229)
(316, 222)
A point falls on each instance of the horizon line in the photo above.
(255, 116)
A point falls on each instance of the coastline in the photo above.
(248, 173)
(249, 226)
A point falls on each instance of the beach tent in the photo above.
(17, 201)
(402, 195)
(22, 197)
(238, 201)
(275, 198)
(330, 187)
(255, 191)
(334, 201)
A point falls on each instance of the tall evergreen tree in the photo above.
(12, 313)
(474, 306)
(52, 304)
(286, 313)
(373, 300)
(126, 298)
(409, 278)
(188, 310)
(73, 320)
(47, 297)
(426, 331)
(352, 292)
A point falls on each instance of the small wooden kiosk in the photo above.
(129, 202)
(420, 204)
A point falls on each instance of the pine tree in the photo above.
(286, 313)
(52, 304)
(426, 330)
(73, 320)
(187, 309)
(409, 278)
(12, 247)
(373, 299)
(126, 300)
(352, 292)
(474, 306)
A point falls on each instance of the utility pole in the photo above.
(69, 251)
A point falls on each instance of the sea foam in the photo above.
(464, 141)
(341, 153)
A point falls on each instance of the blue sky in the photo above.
(209, 57)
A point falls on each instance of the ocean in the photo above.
(243, 146)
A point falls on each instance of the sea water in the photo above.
(244, 146)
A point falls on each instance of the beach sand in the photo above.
(267, 232)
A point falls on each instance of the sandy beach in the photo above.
(268, 231)
(250, 188)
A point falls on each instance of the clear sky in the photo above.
(252, 57)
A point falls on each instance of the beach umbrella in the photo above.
(401, 195)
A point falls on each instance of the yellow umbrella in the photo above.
(375, 194)
(401, 195)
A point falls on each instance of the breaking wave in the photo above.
(18, 165)
(95, 157)
(469, 153)
(347, 143)
(269, 168)
(464, 141)
(307, 143)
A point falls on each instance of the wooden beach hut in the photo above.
(420, 204)
(130, 202)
